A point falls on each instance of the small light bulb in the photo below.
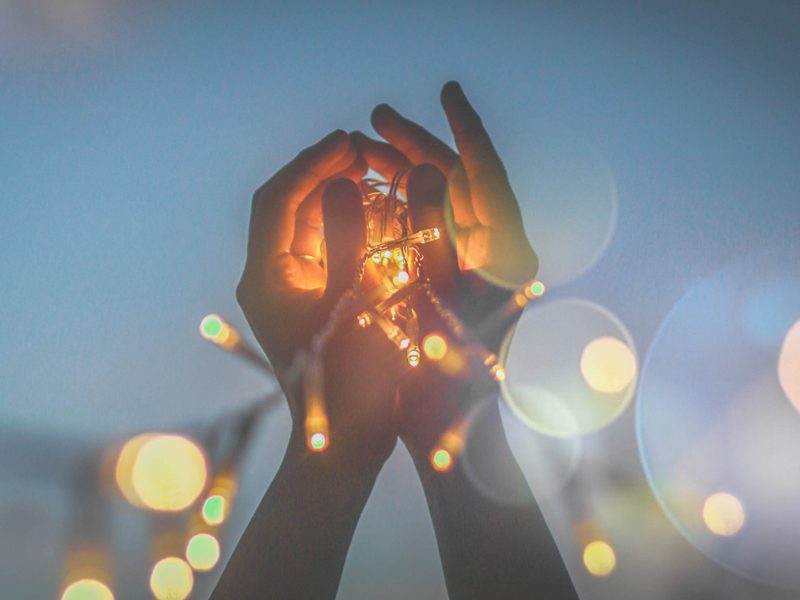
(401, 278)
(364, 320)
(498, 372)
(413, 356)
(404, 343)
(317, 442)
(441, 460)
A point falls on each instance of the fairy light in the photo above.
(413, 355)
(217, 331)
(441, 460)
(434, 346)
(202, 552)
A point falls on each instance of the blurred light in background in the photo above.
(434, 346)
(723, 514)
(599, 558)
(216, 330)
(215, 509)
(441, 460)
(789, 365)
(171, 579)
(202, 551)
(712, 415)
(87, 589)
(608, 365)
(161, 472)
(556, 348)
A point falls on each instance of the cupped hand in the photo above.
(291, 286)
(467, 194)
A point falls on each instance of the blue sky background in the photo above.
(132, 138)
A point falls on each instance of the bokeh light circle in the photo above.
(171, 579)
(87, 589)
(723, 514)
(599, 558)
(202, 552)
(789, 365)
(557, 356)
(718, 439)
(168, 473)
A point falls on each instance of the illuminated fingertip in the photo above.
(441, 460)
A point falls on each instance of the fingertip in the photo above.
(382, 113)
(450, 90)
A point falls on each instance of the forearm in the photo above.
(296, 543)
(489, 549)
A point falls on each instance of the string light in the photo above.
(202, 552)
(441, 459)
(216, 330)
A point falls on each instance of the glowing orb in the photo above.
(608, 365)
(599, 558)
(318, 441)
(87, 589)
(169, 472)
(202, 552)
(434, 346)
(171, 579)
(211, 326)
(789, 365)
(215, 509)
(441, 460)
(723, 514)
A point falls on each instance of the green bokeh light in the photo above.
(214, 510)
(211, 326)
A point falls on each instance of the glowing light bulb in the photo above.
(413, 356)
(441, 459)
(87, 589)
(434, 346)
(211, 326)
(599, 558)
(317, 441)
(171, 579)
(364, 320)
(498, 373)
(401, 278)
(202, 552)
(534, 290)
(723, 514)
(169, 472)
(608, 365)
(215, 509)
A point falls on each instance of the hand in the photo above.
(288, 294)
(489, 251)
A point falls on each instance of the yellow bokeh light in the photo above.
(599, 558)
(169, 472)
(789, 365)
(202, 552)
(608, 365)
(171, 579)
(87, 589)
(723, 514)
(434, 346)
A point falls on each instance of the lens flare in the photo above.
(599, 558)
(202, 552)
(434, 346)
(723, 514)
(169, 472)
(87, 589)
(608, 365)
(171, 579)
(789, 365)
(556, 349)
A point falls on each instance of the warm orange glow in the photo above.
(87, 589)
(441, 460)
(789, 365)
(171, 579)
(608, 365)
(434, 346)
(169, 472)
(723, 514)
(599, 558)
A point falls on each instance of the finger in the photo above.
(345, 234)
(308, 221)
(420, 146)
(492, 197)
(380, 156)
(275, 204)
(428, 207)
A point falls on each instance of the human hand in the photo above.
(288, 293)
(489, 252)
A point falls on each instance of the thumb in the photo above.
(429, 206)
(345, 234)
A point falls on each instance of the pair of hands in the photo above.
(287, 294)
